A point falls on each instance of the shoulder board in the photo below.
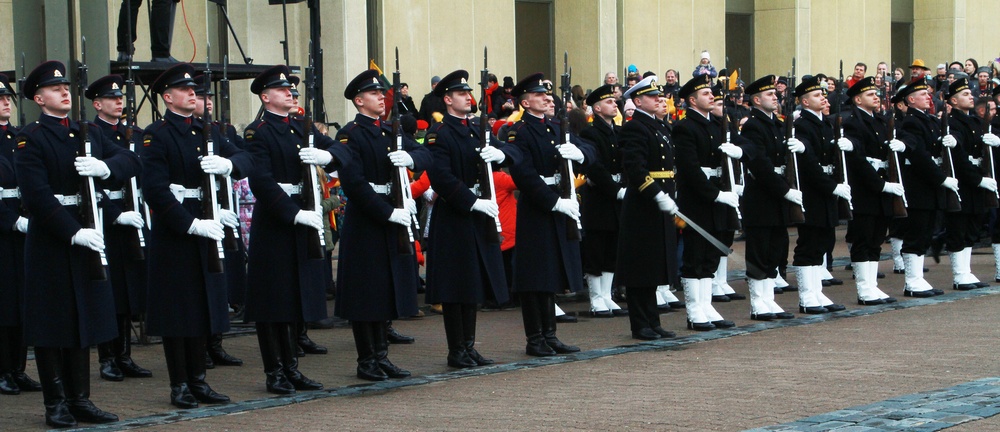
(22, 141)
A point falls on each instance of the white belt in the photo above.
(68, 200)
(291, 189)
(827, 169)
(10, 193)
(552, 181)
(712, 172)
(475, 189)
(115, 195)
(780, 170)
(383, 189)
(878, 163)
(976, 161)
(616, 177)
(181, 193)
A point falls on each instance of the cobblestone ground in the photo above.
(747, 381)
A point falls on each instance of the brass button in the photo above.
(198, 149)
(71, 135)
(193, 133)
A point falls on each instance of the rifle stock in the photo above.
(728, 171)
(210, 184)
(136, 240)
(89, 213)
(796, 213)
(312, 190)
(487, 189)
(566, 176)
(953, 200)
(401, 182)
(845, 208)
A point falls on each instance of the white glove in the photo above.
(492, 154)
(621, 194)
(89, 238)
(845, 144)
(795, 146)
(217, 165)
(794, 196)
(21, 225)
(429, 194)
(738, 189)
(228, 218)
(988, 184)
(309, 218)
(728, 198)
(991, 140)
(315, 156)
(893, 188)
(949, 141)
(88, 166)
(130, 218)
(570, 152)
(731, 150)
(401, 158)
(843, 191)
(950, 183)
(486, 206)
(665, 203)
(896, 145)
(207, 228)
(568, 207)
(400, 216)
(410, 206)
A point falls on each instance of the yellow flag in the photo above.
(733, 79)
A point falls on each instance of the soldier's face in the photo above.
(181, 100)
(867, 100)
(459, 102)
(109, 107)
(536, 103)
(651, 104)
(814, 100)
(703, 100)
(920, 99)
(963, 100)
(550, 105)
(371, 103)
(717, 108)
(606, 108)
(767, 101)
(278, 99)
(6, 102)
(199, 109)
(54, 99)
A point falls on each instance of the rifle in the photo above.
(989, 162)
(136, 240)
(899, 203)
(90, 215)
(845, 208)
(954, 201)
(486, 168)
(566, 176)
(796, 213)
(313, 200)
(401, 185)
(20, 94)
(728, 172)
(227, 199)
(210, 185)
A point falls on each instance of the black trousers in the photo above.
(700, 259)
(160, 24)
(961, 230)
(599, 251)
(642, 312)
(917, 229)
(766, 249)
(868, 233)
(812, 245)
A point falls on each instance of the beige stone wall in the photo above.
(946, 30)
(6, 34)
(671, 35)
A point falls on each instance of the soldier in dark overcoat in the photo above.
(13, 351)
(68, 304)
(286, 284)
(766, 197)
(126, 269)
(463, 248)
(647, 241)
(187, 298)
(376, 274)
(547, 261)
(601, 204)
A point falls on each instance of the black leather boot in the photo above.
(364, 342)
(78, 388)
(469, 332)
(395, 337)
(123, 350)
(7, 353)
(382, 353)
(302, 338)
(174, 353)
(219, 355)
(50, 366)
(23, 381)
(531, 310)
(195, 355)
(290, 361)
(549, 326)
(457, 356)
(276, 382)
(106, 359)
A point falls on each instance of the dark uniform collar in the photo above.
(759, 113)
(812, 115)
(51, 121)
(275, 117)
(181, 122)
(531, 118)
(372, 124)
(455, 121)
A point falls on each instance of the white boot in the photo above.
(897, 255)
(866, 289)
(759, 309)
(767, 293)
(780, 282)
(818, 288)
(722, 277)
(597, 306)
(967, 269)
(607, 282)
(809, 281)
(915, 285)
(996, 261)
(660, 301)
(695, 313)
(959, 277)
(667, 293)
(823, 272)
(718, 293)
(873, 279)
(559, 311)
(706, 291)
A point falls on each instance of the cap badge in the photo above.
(375, 80)
(187, 75)
(282, 76)
(114, 86)
(57, 74)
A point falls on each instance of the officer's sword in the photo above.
(711, 239)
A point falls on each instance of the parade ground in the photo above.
(916, 365)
